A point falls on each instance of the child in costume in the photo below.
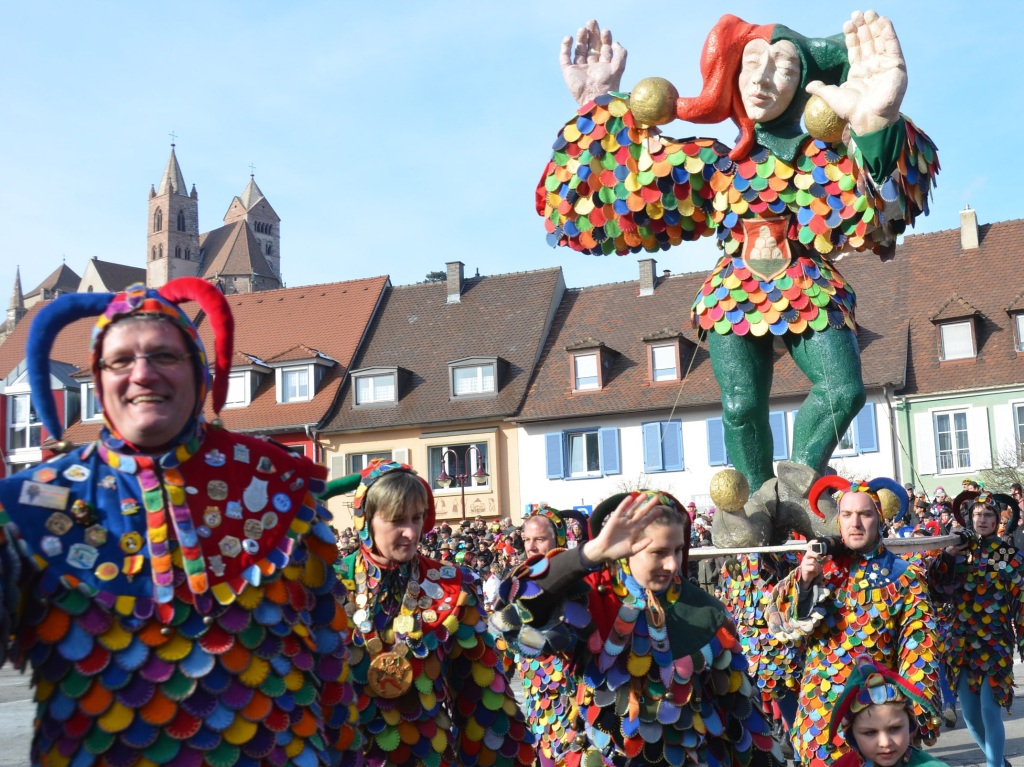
(430, 684)
(875, 715)
(171, 584)
(982, 581)
(660, 673)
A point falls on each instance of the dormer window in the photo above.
(298, 372)
(236, 391)
(665, 362)
(295, 384)
(957, 340)
(1018, 324)
(474, 377)
(90, 406)
(375, 386)
(590, 360)
(586, 372)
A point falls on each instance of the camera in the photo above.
(829, 546)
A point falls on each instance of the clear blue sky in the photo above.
(393, 137)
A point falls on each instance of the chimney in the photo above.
(454, 281)
(968, 229)
(648, 276)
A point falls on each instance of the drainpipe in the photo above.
(894, 443)
(311, 435)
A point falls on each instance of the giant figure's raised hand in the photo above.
(870, 98)
(597, 64)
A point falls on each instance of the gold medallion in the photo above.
(429, 616)
(374, 645)
(403, 624)
(390, 675)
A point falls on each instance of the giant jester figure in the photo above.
(785, 203)
(171, 584)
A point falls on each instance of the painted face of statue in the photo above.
(768, 79)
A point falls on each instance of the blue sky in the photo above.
(393, 137)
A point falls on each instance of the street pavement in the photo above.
(955, 747)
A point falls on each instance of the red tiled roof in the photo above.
(71, 344)
(232, 250)
(954, 308)
(500, 316)
(988, 279)
(621, 318)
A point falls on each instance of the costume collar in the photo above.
(120, 455)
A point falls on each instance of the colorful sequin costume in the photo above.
(178, 608)
(873, 602)
(661, 678)
(430, 683)
(983, 588)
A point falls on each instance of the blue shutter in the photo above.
(866, 431)
(673, 446)
(609, 442)
(780, 445)
(652, 447)
(716, 442)
(553, 455)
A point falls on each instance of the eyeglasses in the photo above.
(156, 359)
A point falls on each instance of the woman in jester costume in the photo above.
(430, 683)
(660, 673)
(982, 582)
(171, 584)
(784, 204)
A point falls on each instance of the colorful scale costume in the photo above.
(614, 186)
(662, 679)
(748, 587)
(177, 609)
(874, 603)
(431, 692)
(983, 590)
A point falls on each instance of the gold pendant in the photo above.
(390, 675)
(403, 624)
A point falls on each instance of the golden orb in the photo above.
(653, 101)
(822, 122)
(890, 503)
(729, 490)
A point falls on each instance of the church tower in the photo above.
(172, 245)
(15, 308)
(253, 208)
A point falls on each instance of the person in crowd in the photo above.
(981, 579)
(171, 583)
(659, 666)
(875, 716)
(848, 593)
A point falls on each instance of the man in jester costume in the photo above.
(171, 584)
(660, 673)
(856, 597)
(784, 204)
(430, 684)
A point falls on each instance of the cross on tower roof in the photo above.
(173, 136)
(252, 170)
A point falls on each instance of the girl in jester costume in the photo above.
(171, 584)
(430, 683)
(660, 673)
(783, 204)
(857, 597)
(982, 582)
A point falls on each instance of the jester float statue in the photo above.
(785, 203)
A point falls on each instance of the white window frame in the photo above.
(576, 377)
(1018, 430)
(481, 378)
(1018, 322)
(949, 327)
(240, 380)
(282, 384)
(673, 350)
(851, 436)
(356, 462)
(31, 424)
(463, 455)
(955, 464)
(585, 435)
(371, 380)
(90, 414)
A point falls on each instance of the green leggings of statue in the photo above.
(743, 367)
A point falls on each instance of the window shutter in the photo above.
(401, 455)
(716, 442)
(673, 446)
(609, 442)
(980, 445)
(1006, 434)
(553, 455)
(652, 447)
(338, 466)
(924, 443)
(780, 445)
(866, 429)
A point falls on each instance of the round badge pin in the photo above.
(282, 502)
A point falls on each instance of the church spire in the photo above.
(17, 296)
(172, 181)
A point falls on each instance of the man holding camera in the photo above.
(852, 595)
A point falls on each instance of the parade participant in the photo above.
(660, 671)
(171, 583)
(431, 688)
(875, 716)
(982, 581)
(859, 594)
(784, 205)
